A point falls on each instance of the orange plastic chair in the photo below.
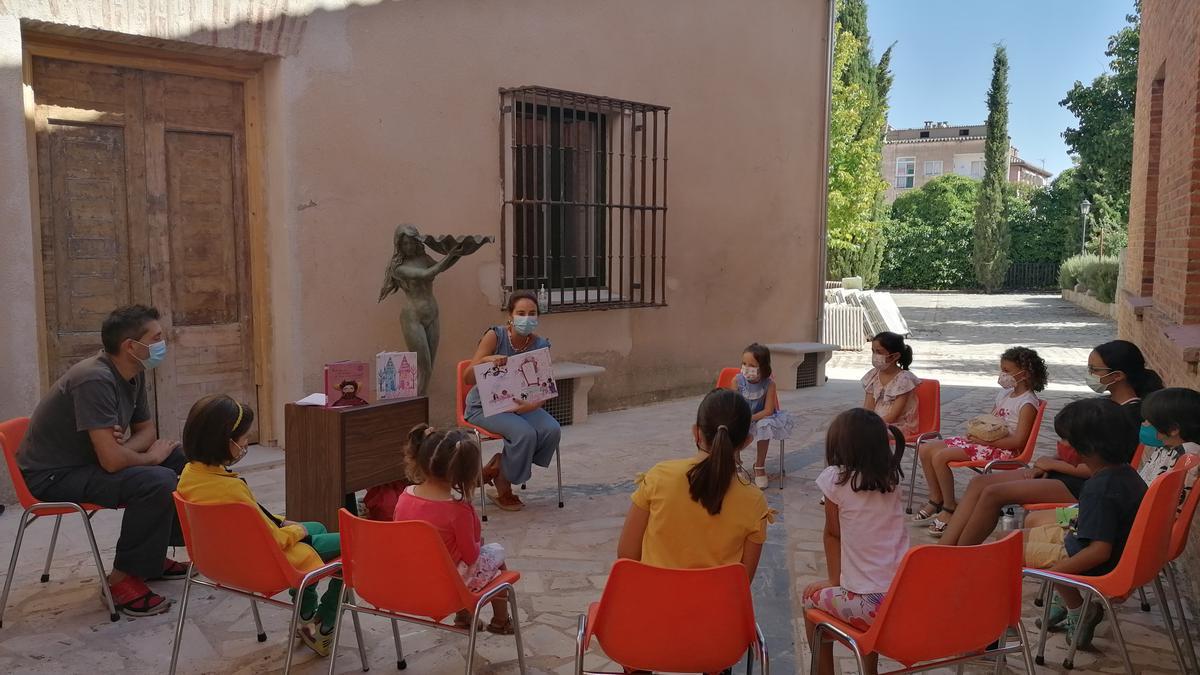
(1144, 557)
(983, 594)
(725, 381)
(1179, 539)
(1020, 461)
(12, 432)
(404, 571)
(460, 409)
(670, 620)
(230, 545)
(929, 426)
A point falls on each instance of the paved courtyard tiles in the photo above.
(564, 554)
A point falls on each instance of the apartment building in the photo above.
(913, 157)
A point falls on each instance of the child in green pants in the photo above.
(214, 439)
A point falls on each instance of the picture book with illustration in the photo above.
(524, 378)
(347, 383)
(396, 375)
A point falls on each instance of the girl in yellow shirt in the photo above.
(214, 439)
(701, 511)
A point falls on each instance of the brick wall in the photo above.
(1163, 259)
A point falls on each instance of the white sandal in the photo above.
(762, 481)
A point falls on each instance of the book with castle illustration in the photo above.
(524, 378)
(395, 375)
(347, 383)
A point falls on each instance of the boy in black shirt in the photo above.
(1092, 544)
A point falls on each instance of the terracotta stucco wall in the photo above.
(389, 114)
(1162, 263)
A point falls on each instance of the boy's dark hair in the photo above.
(451, 455)
(125, 323)
(724, 422)
(1125, 356)
(1174, 409)
(894, 343)
(212, 422)
(858, 442)
(518, 296)
(1028, 361)
(763, 356)
(1097, 427)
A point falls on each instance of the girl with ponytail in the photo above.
(890, 386)
(701, 511)
(865, 532)
(445, 466)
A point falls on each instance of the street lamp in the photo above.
(1084, 207)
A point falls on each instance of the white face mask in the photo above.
(879, 361)
(750, 373)
(1007, 381)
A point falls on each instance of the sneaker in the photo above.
(132, 597)
(1058, 614)
(1086, 626)
(317, 640)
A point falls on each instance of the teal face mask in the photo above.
(1148, 436)
(525, 325)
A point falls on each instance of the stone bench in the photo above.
(800, 364)
(574, 381)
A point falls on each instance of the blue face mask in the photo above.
(158, 352)
(525, 325)
(1148, 436)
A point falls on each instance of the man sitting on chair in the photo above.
(91, 440)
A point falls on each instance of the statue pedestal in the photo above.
(335, 451)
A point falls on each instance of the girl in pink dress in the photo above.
(1022, 374)
(446, 466)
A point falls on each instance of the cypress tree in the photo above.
(991, 243)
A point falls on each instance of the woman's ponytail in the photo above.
(724, 423)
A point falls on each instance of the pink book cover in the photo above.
(347, 383)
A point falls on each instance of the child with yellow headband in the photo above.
(214, 439)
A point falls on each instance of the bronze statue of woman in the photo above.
(412, 270)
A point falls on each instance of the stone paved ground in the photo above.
(564, 555)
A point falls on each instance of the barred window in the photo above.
(584, 198)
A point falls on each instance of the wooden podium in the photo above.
(331, 452)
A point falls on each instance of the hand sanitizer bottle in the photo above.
(543, 300)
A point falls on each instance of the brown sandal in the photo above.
(509, 502)
(500, 627)
(463, 620)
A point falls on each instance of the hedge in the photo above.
(1098, 274)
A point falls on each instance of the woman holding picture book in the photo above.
(530, 434)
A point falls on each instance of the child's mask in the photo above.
(750, 373)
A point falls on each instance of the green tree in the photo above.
(857, 124)
(928, 239)
(991, 241)
(1103, 139)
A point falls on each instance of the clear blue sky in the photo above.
(942, 62)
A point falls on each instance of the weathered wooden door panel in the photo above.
(142, 192)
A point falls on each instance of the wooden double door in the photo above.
(141, 182)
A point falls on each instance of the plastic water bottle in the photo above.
(543, 300)
(1009, 521)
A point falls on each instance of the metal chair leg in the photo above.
(262, 634)
(105, 591)
(362, 647)
(516, 621)
(1166, 612)
(401, 662)
(337, 627)
(1069, 662)
(558, 466)
(1183, 622)
(1047, 595)
(295, 623)
(912, 478)
(183, 608)
(782, 468)
(1142, 597)
(482, 489)
(12, 563)
(50, 553)
(1025, 653)
(1119, 635)
(1041, 596)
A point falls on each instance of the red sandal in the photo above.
(133, 597)
(172, 570)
